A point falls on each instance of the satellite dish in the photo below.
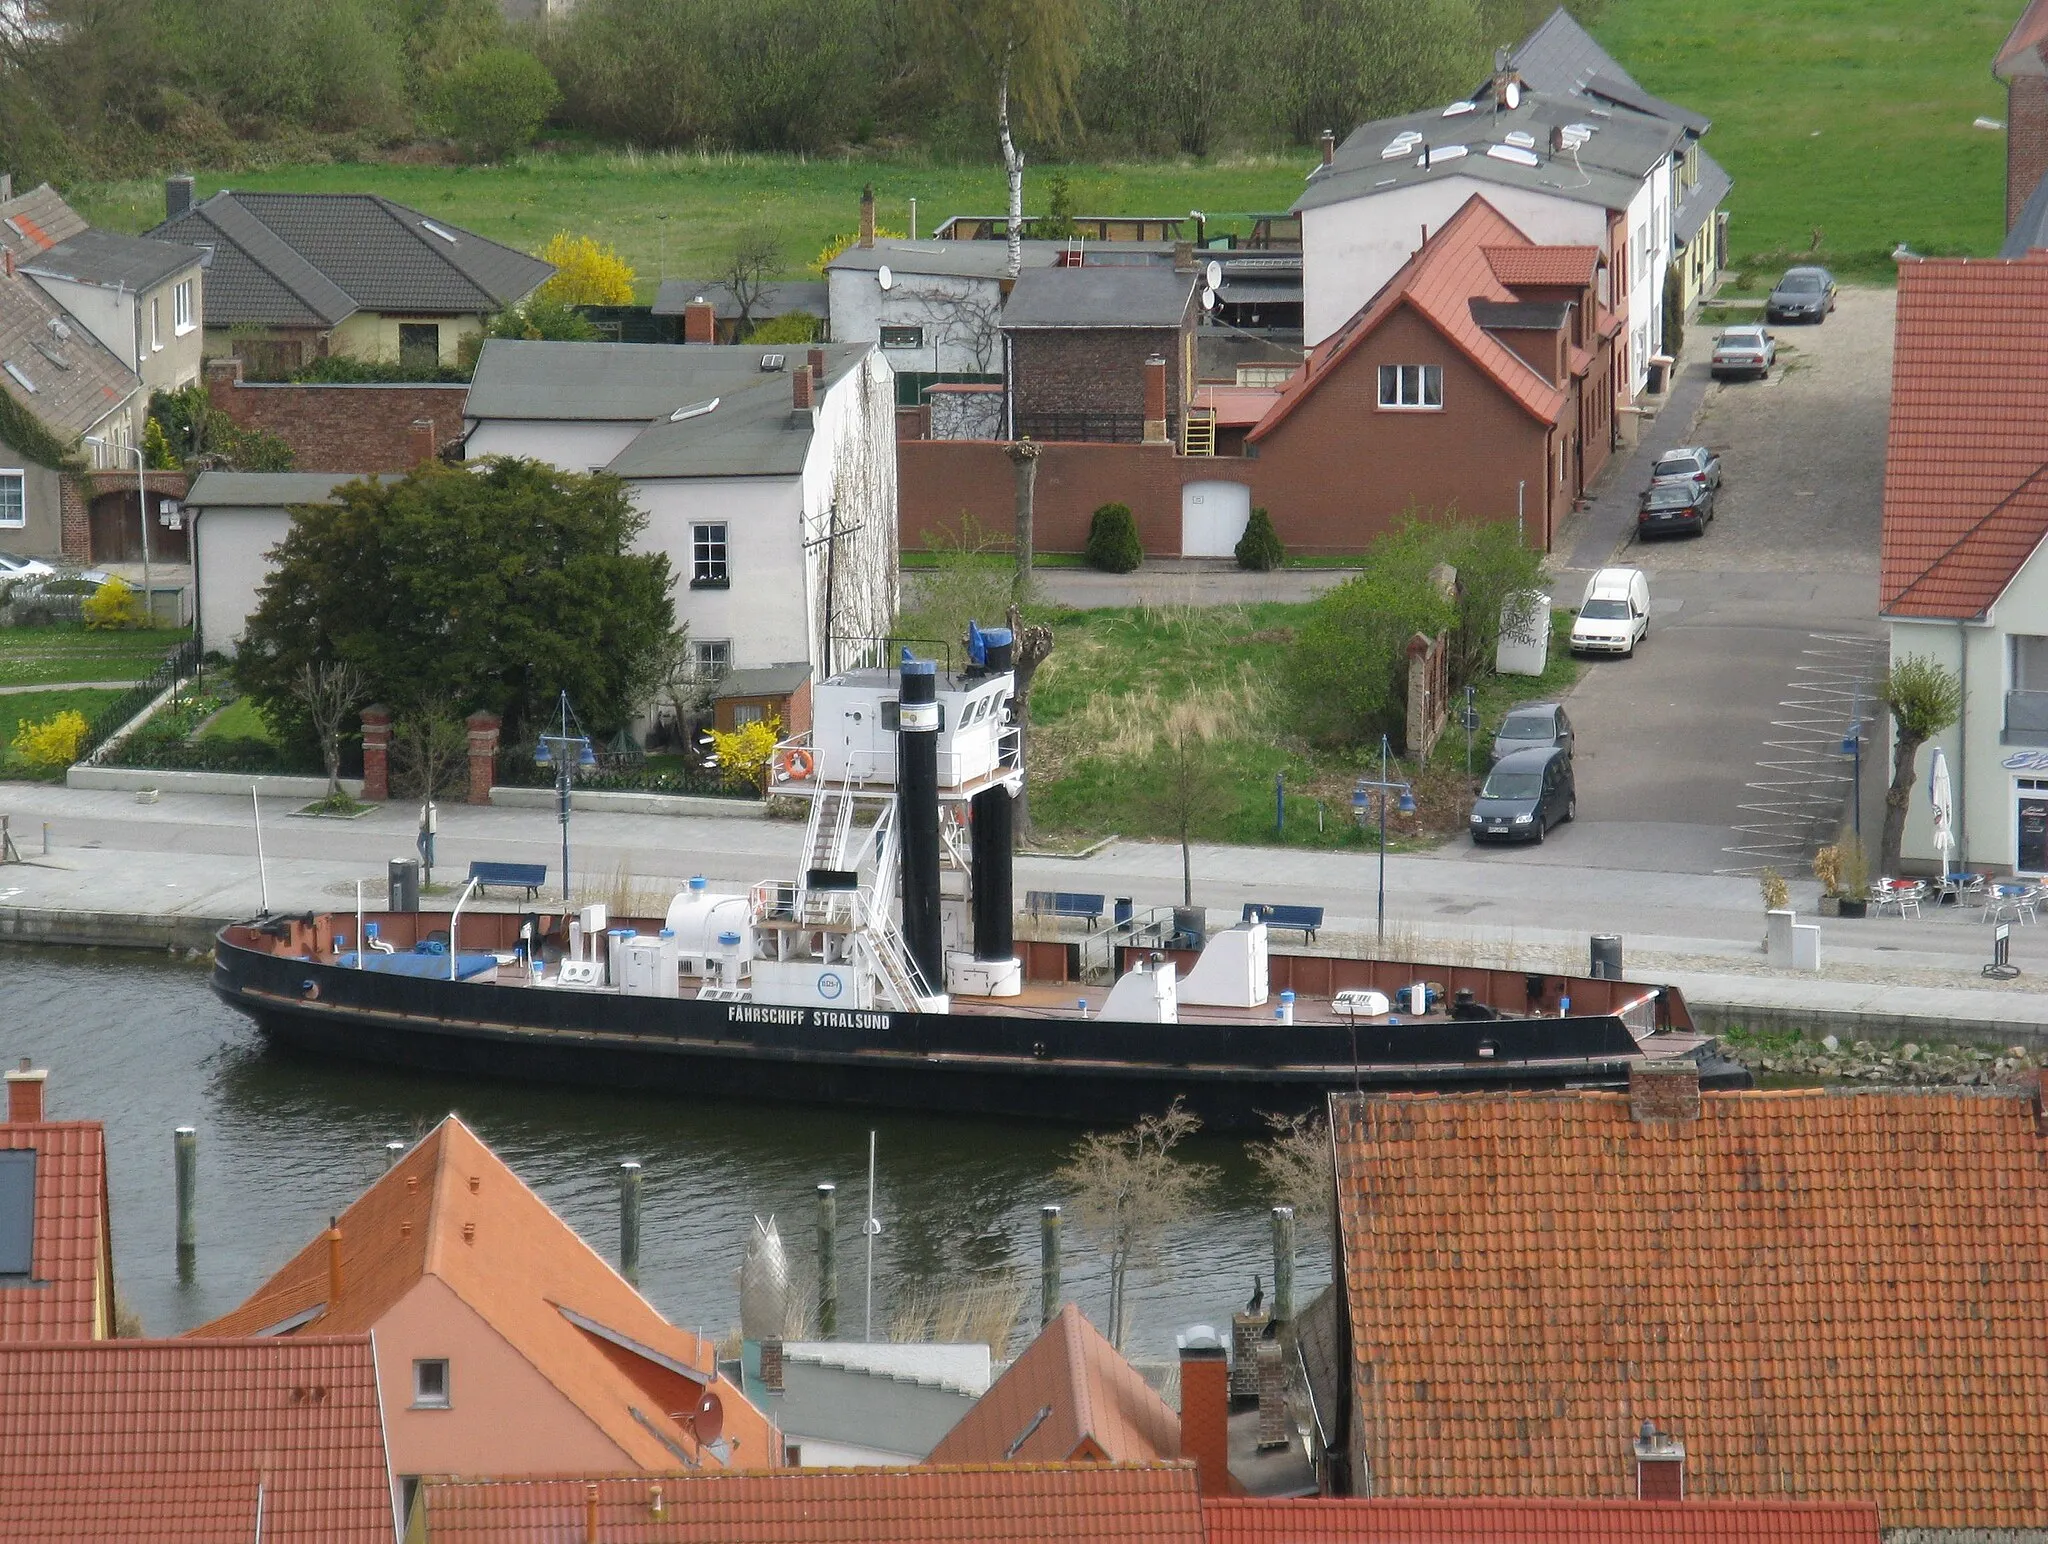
(707, 1421)
(1213, 274)
(1514, 95)
(1208, 300)
(885, 278)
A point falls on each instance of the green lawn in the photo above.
(17, 708)
(32, 656)
(239, 720)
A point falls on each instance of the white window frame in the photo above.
(421, 1398)
(708, 572)
(916, 341)
(181, 308)
(712, 657)
(156, 323)
(1422, 378)
(17, 475)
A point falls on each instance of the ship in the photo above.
(887, 972)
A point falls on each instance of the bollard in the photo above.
(46, 839)
(629, 1221)
(828, 1262)
(185, 1155)
(1048, 1265)
(1283, 1265)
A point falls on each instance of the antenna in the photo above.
(1213, 275)
(1208, 300)
(885, 278)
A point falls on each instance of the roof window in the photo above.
(770, 363)
(438, 230)
(20, 376)
(52, 353)
(1460, 107)
(1521, 137)
(1513, 153)
(694, 410)
(1401, 144)
(17, 1211)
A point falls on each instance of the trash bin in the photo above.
(402, 884)
(1607, 956)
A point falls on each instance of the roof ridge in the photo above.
(1078, 1370)
(294, 286)
(389, 209)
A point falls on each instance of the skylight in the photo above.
(438, 230)
(1448, 152)
(1400, 145)
(694, 410)
(53, 354)
(20, 376)
(17, 1211)
(1523, 138)
(1460, 107)
(1514, 153)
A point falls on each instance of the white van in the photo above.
(1615, 615)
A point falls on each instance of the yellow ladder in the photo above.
(1198, 433)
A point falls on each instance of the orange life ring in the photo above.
(797, 765)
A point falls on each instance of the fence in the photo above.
(620, 771)
(185, 662)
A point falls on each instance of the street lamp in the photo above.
(1852, 746)
(1407, 807)
(565, 752)
(141, 510)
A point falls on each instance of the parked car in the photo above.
(1615, 615)
(1803, 295)
(1689, 463)
(1538, 724)
(1668, 508)
(15, 566)
(1747, 351)
(1525, 795)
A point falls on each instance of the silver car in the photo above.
(1747, 351)
(1688, 463)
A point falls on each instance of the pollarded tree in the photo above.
(1924, 698)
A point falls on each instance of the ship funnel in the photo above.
(917, 816)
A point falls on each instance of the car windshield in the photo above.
(1749, 337)
(1801, 284)
(1532, 728)
(1605, 610)
(1677, 466)
(1512, 785)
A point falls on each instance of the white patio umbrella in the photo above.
(1941, 800)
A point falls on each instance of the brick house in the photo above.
(344, 427)
(2022, 63)
(1075, 345)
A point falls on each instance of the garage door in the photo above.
(1213, 516)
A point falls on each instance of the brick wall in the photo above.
(1090, 370)
(2026, 141)
(333, 428)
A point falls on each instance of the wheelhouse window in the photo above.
(13, 498)
(430, 1384)
(181, 308)
(1411, 386)
(707, 557)
(902, 337)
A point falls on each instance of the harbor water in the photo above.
(139, 1042)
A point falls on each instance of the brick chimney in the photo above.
(800, 388)
(177, 195)
(25, 1094)
(1276, 1430)
(226, 370)
(1664, 1090)
(422, 441)
(771, 1365)
(817, 363)
(1329, 146)
(1155, 401)
(700, 322)
(1183, 257)
(333, 1264)
(7, 261)
(867, 214)
(1205, 1408)
(1660, 1465)
(483, 754)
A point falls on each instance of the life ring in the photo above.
(797, 765)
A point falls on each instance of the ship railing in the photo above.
(1643, 1014)
(1149, 926)
(773, 900)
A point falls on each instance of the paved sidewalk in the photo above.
(1613, 514)
(67, 686)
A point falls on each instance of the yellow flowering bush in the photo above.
(744, 754)
(586, 274)
(114, 604)
(53, 743)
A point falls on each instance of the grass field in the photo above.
(32, 656)
(239, 720)
(18, 708)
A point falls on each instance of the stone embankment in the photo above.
(1779, 1059)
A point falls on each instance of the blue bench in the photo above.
(518, 876)
(1063, 903)
(1307, 918)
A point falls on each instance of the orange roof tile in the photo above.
(451, 1209)
(194, 1441)
(1453, 268)
(1070, 1396)
(1822, 1295)
(2021, 53)
(1236, 407)
(1078, 1504)
(1543, 267)
(1966, 459)
(70, 1292)
(1533, 1520)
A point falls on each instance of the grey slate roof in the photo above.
(1561, 57)
(1150, 297)
(76, 381)
(34, 221)
(762, 681)
(312, 259)
(264, 490)
(2030, 231)
(778, 297)
(1697, 203)
(108, 258)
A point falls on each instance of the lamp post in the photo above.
(141, 510)
(565, 752)
(1852, 747)
(1383, 787)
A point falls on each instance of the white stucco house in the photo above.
(1568, 171)
(237, 519)
(1964, 578)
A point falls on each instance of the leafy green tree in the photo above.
(638, 70)
(1347, 664)
(1113, 544)
(551, 320)
(1674, 311)
(185, 429)
(495, 586)
(496, 102)
(1057, 223)
(1925, 698)
(1493, 568)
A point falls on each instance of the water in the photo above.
(139, 1042)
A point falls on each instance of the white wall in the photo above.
(764, 615)
(961, 318)
(571, 446)
(232, 560)
(1649, 258)
(108, 313)
(851, 469)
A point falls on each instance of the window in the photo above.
(707, 558)
(419, 344)
(1420, 386)
(2029, 656)
(714, 657)
(181, 308)
(902, 337)
(430, 1383)
(156, 325)
(745, 713)
(13, 498)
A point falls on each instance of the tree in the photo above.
(1113, 544)
(1674, 311)
(1129, 1188)
(1259, 549)
(1024, 459)
(496, 102)
(196, 435)
(497, 585)
(753, 256)
(586, 273)
(557, 321)
(1296, 1165)
(429, 748)
(1925, 698)
(1347, 664)
(1495, 570)
(328, 691)
(1057, 223)
(1033, 647)
(1028, 52)
(970, 580)
(1186, 787)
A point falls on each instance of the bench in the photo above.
(1307, 918)
(1063, 903)
(518, 876)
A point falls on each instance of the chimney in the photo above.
(177, 195)
(700, 322)
(1246, 1331)
(867, 214)
(1205, 1408)
(1183, 257)
(1155, 401)
(1660, 1465)
(1329, 146)
(1275, 1428)
(333, 1264)
(422, 441)
(25, 1095)
(771, 1365)
(800, 390)
(226, 370)
(1664, 1090)
(817, 360)
(7, 261)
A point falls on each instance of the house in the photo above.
(56, 1239)
(984, 1504)
(768, 477)
(842, 1403)
(1820, 1295)
(1560, 58)
(1565, 170)
(1534, 1520)
(776, 299)
(778, 692)
(505, 1344)
(2022, 63)
(294, 276)
(236, 521)
(195, 1442)
(344, 426)
(1075, 343)
(1963, 579)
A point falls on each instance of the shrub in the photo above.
(1113, 543)
(53, 743)
(790, 327)
(496, 102)
(586, 274)
(744, 754)
(1259, 548)
(114, 604)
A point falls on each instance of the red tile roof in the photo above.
(1453, 268)
(1966, 461)
(1822, 1295)
(1069, 1397)
(1533, 1520)
(1535, 267)
(1236, 407)
(193, 1442)
(1078, 1504)
(2021, 52)
(451, 1209)
(70, 1295)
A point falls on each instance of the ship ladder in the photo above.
(1198, 432)
(825, 842)
(883, 945)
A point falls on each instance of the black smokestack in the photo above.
(994, 900)
(917, 817)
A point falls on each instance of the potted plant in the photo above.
(1827, 868)
(1844, 875)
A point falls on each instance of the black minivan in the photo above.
(1525, 794)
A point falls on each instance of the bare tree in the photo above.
(1187, 787)
(966, 320)
(1024, 457)
(1295, 1163)
(749, 263)
(330, 690)
(429, 747)
(1032, 645)
(1129, 1188)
